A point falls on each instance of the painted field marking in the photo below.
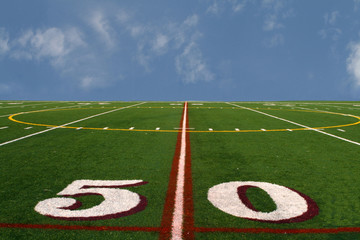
(196, 229)
(28, 128)
(298, 124)
(105, 128)
(263, 129)
(30, 105)
(131, 128)
(157, 129)
(341, 130)
(7, 115)
(198, 131)
(4, 127)
(289, 130)
(80, 120)
(186, 128)
(236, 129)
(177, 220)
(79, 128)
(210, 129)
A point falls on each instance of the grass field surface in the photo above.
(179, 170)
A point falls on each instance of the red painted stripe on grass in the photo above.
(282, 231)
(170, 195)
(77, 227)
(170, 221)
(196, 229)
(188, 191)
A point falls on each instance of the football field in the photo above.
(179, 170)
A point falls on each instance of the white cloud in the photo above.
(156, 40)
(137, 30)
(237, 7)
(353, 63)
(275, 11)
(274, 5)
(218, 7)
(214, 8)
(160, 44)
(271, 23)
(192, 21)
(191, 65)
(4, 41)
(274, 41)
(331, 30)
(333, 33)
(123, 16)
(90, 82)
(330, 18)
(103, 28)
(52, 43)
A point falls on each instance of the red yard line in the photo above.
(188, 191)
(168, 219)
(282, 231)
(196, 229)
(77, 227)
(170, 195)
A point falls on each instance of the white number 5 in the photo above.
(117, 202)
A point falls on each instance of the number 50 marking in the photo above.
(117, 202)
(230, 197)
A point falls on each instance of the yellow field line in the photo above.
(191, 131)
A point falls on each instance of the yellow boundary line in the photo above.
(191, 131)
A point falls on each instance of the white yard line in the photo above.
(53, 128)
(178, 214)
(41, 110)
(21, 106)
(298, 124)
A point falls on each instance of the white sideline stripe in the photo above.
(177, 221)
(50, 129)
(298, 124)
(41, 110)
(4, 127)
(17, 106)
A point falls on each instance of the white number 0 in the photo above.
(291, 205)
(117, 202)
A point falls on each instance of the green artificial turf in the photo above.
(320, 166)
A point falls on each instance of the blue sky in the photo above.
(228, 50)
